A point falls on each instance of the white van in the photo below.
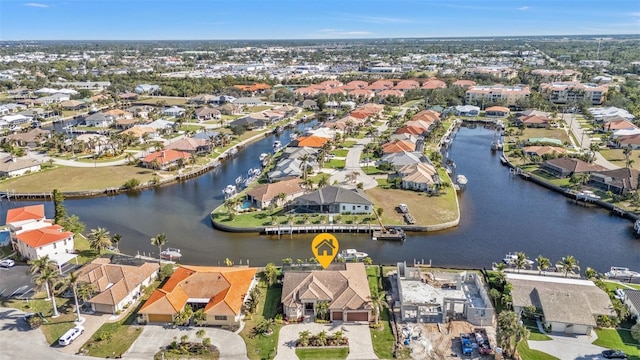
(70, 335)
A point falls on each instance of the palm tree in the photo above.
(323, 181)
(377, 300)
(569, 264)
(303, 338)
(322, 338)
(322, 310)
(99, 239)
(115, 240)
(39, 265)
(71, 281)
(543, 264)
(85, 291)
(160, 240)
(280, 198)
(305, 160)
(520, 262)
(47, 278)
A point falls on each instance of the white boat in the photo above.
(263, 156)
(229, 191)
(352, 254)
(170, 254)
(510, 258)
(277, 144)
(636, 227)
(587, 195)
(496, 145)
(617, 272)
(461, 180)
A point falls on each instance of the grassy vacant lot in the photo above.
(263, 218)
(259, 346)
(156, 101)
(559, 134)
(76, 178)
(618, 339)
(324, 354)
(616, 157)
(340, 152)
(255, 109)
(530, 354)
(441, 209)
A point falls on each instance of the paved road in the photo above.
(231, 345)
(15, 281)
(574, 126)
(360, 344)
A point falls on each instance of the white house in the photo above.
(99, 120)
(33, 236)
(174, 111)
(11, 166)
(147, 88)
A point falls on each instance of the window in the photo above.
(54, 245)
(354, 207)
(366, 207)
(344, 207)
(220, 317)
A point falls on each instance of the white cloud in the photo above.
(523, 8)
(38, 5)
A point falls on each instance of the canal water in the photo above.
(500, 213)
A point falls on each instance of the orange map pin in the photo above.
(325, 248)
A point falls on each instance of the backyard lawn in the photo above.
(618, 339)
(529, 354)
(261, 346)
(616, 157)
(322, 354)
(53, 328)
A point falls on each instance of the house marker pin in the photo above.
(325, 248)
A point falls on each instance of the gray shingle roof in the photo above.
(335, 195)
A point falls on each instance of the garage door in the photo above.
(357, 316)
(160, 318)
(337, 315)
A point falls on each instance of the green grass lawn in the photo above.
(372, 170)
(612, 286)
(618, 339)
(348, 143)
(335, 164)
(324, 354)
(340, 152)
(53, 328)
(155, 101)
(529, 354)
(259, 108)
(616, 157)
(259, 346)
(263, 218)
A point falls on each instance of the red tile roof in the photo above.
(434, 84)
(44, 236)
(32, 212)
(398, 146)
(464, 83)
(166, 156)
(498, 109)
(312, 141)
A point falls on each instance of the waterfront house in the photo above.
(343, 286)
(566, 167)
(119, 114)
(631, 299)
(311, 141)
(398, 146)
(219, 291)
(101, 120)
(248, 102)
(403, 158)
(466, 110)
(31, 139)
(497, 111)
(419, 177)
(286, 168)
(12, 166)
(545, 150)
(174, 111)
(333, 200)
(265, 195)
(298, 152)
(74, 105)
(248, 123)
(310, 105)
(568, 305)
(165, 159)
(205, 113)
(533, 121)
(618, 181)
(117, 281)
(12, 121)
(34, 236)
(190, 145)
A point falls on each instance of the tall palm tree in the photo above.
(305, 160)
(99, 239)
(377, 300)
(569, 264)
(520, 262)
(115, 240)
(46, 279)
(85, 291)
(37, 266)
(323, 181)
(160, 240)
(543, 264)
(72, 281)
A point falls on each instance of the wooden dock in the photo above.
(333, 228)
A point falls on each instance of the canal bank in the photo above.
(499, 214)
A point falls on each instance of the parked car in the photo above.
(614, 354)
(467, 347)
(70, 335)
(7, 263)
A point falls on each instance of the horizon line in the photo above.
(342, 39)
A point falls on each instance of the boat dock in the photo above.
(335, 228)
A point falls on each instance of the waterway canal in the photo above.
(500, 213)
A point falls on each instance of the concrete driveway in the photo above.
(15, 281)
(153, 337)
(360, 344)
(570, 347)
(18, 341)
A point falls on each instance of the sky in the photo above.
(310, 19)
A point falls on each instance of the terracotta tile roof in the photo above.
(331, 84)
(254, 87)
(355, 84)
(413, 130)
(398, 146)
(380, 85)
(392, 92)
(311, 141)
(225, 288)
(425, 124)
(32, 212)
(267, 192)
(426, 115)
(541, 150)
(620, 125)
(139, 131)
(361, 92)
(306, 91)
(407, 85)
(332, 91)
(464, 83)
(434, 84)
(498, 109)
(44, 236)
(166, 156)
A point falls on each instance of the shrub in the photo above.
(132, 184)
(103, 336)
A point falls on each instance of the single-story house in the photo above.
(466, 110)
(298, 152)
(204, 114)
(190, 145)
(286, 168)
(619, 181)
(165, 159)
(310, 104)
(162, 126)
(565, 167)
(534, 121)
(219, 291)
(248, 101)
(31, 139)
(263, 196)
(116, 285)
(139, 132)
(229, 109)
(343, 286)
(99, 120)
(333, 200)
(312, 141)
(632, 300)
(174, 111)
(497, 111)
(420, 177)
(568, 305)
(248, 123)
(543, 150)
(403, 158)
(11, 166)
(398, 146)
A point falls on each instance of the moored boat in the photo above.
(352, 254)
(461, 180)
(510, 258)
(618, 272)
(396, 234)
(171, 254)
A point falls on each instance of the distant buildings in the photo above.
(506, 95)
(573, 92)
